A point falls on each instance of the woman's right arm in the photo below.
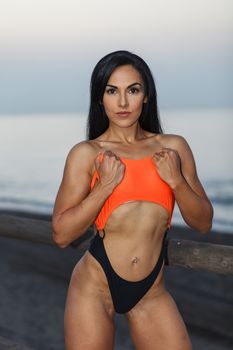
(76, 207)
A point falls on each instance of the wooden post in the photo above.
(201, 256)
(34, 230)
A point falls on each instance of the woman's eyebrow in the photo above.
(113, 86)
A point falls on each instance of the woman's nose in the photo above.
(123, 100)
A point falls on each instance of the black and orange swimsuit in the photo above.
(141, 182)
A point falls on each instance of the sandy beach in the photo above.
(34, 282)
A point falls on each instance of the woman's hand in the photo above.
(176, 166)
(110, 169)
(168, 165)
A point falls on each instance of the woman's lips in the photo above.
(123, 114)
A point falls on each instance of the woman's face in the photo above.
(124, 96)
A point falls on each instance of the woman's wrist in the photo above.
(176, 183)
(104, 189)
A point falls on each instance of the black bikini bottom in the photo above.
(125, 294)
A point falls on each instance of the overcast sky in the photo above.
(48, 49)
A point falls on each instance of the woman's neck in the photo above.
(128, 135)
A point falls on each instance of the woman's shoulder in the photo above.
(173, 141)
(167, 139)
(82, 152)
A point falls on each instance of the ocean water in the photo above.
(33, 150)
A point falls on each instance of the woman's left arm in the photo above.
(175, 165)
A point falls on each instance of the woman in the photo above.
(125, 178)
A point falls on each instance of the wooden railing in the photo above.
(191, 254)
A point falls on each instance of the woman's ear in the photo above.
(145, 99)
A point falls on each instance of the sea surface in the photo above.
(33, 150)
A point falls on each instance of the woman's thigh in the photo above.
(155, 323)
(87, 322)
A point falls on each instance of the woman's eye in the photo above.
(134, 90)
(110, 91)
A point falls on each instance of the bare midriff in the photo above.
(135, 230)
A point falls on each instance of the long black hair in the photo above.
(98, 121)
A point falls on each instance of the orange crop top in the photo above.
(141, 182)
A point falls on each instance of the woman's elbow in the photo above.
(57, 235)
(207, 222)
(59, 241)
(205, 228)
